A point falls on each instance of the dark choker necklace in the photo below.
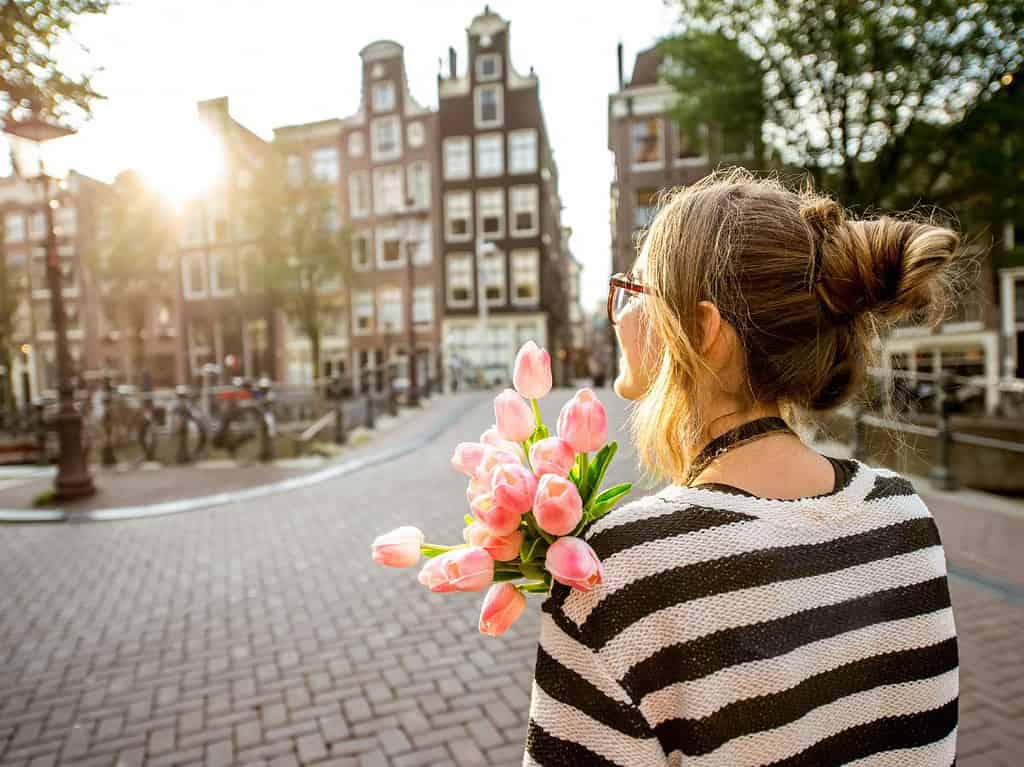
(738, 435)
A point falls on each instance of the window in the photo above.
(251, 274)
(491, 212)
(415, 134)
(331, 220)
(690, 145)
(65, 221)
(389, 247)
(386, 138)
(383, 96)
(37, 225)
(458, 216)
(524, 201)
(389, 309)
(490, 152)
(325, 165)
(460, 279)
(647, 142)
(492, 276)
(361, 251)
(646, 206)
(525, 277)
(387, 190)
(14, 227)
(224, 272)
(420, 245)
(418, 184)
(456, 157)
(194, 225)
(294, 169)
(488, 66)
(488, 107)
(217, 222)
(356, 145)
(359, 194)
(423, 305)
(193, 267)
(362, 312)
(522, 151)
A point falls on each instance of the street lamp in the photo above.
(73, 478)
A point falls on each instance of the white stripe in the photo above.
(702, 697)
(937, 754)
(650, 558)
(579, 658)
(700, 617)
(831, 719)
(569, 723)
(648, 507)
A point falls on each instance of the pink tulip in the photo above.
(558, 507)
(503, 604)
(552, 456)
(583, 422)
(498, 519)
(398, 548)
(493, 437)
(531, 374)
(467, 457)
(495, 456)
(479, 484)
(513, 486)
(503, 548)
(513, 416)
(468, 569)
(573, 563)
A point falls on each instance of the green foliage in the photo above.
(30, 31)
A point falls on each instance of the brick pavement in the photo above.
(261, 633)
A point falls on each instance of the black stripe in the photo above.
(765, 712)
(685, 661)
(685, 520)
(546, 749)
(565, 685)
(671, 587)
(887, 734)
(553, 607)
(889, 487)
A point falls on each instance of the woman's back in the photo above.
(736, 630)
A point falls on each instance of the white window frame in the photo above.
(660, 161)
(423, 296)
(490, 195)
(191, 291)
(389, 233)
(356, 144)
(461, 259)
(37, 225)
(424, 252)
(513, 136)
(295, 169)
(478, 106)
(484, 57)
(423, 201)
(462, 145)
(380, 188)
(331, 165)
(467, 196)
(515, 258)
(65, 221)
(494, 258)
(487, 140)
(376, 152)
(353, 179)
(21, 226)
(514, 194)
(381, 105)
(367, 236)
(363, 299)
(394, 296)
(215, 257)
(415, 134)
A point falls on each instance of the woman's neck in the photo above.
(724, 418)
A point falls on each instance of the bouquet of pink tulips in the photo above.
(531, 496)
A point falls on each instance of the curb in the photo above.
(259, 491)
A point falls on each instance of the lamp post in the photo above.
(73, 477)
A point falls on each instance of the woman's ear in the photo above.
(709, 320)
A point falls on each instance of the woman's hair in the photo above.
(805, 288)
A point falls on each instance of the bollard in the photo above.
(107, 456)
(391, 395)
(857, 447)
(942, 471)
(41, 433)
(369, 410)
(339, 423)
(181, 422)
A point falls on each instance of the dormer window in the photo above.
(488, 106)
(488, 67)
(383, 96)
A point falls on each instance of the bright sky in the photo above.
(283, 63)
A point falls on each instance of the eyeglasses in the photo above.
(622, 291)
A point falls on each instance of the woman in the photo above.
(771, 605)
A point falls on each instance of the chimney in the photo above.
(621, 81)
(451, 62)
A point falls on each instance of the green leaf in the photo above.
(607, 500)
(598, 469)
(532, 571)
(529, 548)
(506, 576)
(535, 588)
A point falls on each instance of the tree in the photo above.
(131, 263)
(305, 260)
(30, 31)
(848, 85)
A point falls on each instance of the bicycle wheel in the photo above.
(244, 434)
(147, 439)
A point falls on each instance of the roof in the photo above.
(645, 69)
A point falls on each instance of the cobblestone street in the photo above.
(263, 633)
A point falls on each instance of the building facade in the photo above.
(500, 234)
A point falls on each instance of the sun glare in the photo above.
(183, 166)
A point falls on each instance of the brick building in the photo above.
(499, 185)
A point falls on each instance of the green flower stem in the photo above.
(584, 464)
(537, 587)
(526, 452)
(435, 549)
(532, 523)
(536, 412)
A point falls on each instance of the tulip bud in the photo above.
(514, 417)
(498, 519)
(531, 374)
(398, 548)
(467, 457)
(469, 569)
(552, 456)
(513, 487)
(502, 606)
(583, 422)
(494, 438)
(503, 548)
(573, 563)
(557, 507)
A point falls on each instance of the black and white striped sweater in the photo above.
(736, 630)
